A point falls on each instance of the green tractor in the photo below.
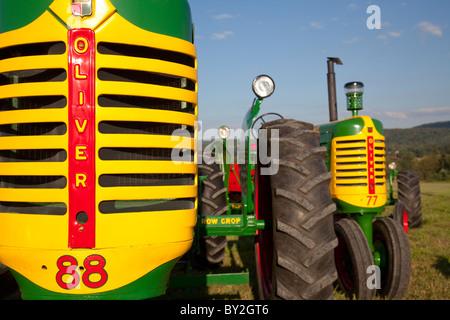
(373, 250)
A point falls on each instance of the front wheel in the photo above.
(353, 258)
(391, 242)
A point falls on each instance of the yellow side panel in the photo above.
(145, 227)
(35, 231)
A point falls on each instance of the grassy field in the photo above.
(430, 245)
(430, 252)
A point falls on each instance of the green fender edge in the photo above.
(151, 285)
(15, 14)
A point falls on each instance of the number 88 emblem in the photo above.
(68, 276)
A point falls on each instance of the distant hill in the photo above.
(444, 124)
(420, 140)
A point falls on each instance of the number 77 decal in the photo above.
(374, 198)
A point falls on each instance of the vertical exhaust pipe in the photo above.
(332, 104)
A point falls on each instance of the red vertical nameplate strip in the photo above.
(81, 52)
(371, 164)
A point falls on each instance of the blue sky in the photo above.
(405, 65)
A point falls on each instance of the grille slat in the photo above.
(38, 208)
(33, 129)
(33, 49)
(33, 155)
(30, 76)
(33, 182)
(125, 75)
(139, 127)
(35, 102)
(128, 206)
(146, 180)
(142, 154)
(127, 101)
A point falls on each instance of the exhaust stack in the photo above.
(332, 104)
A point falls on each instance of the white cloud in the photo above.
(395, 34)
(414, 113)
(439, 110)
(396, 114)
(351, 41)
(223, 16)
(429, 28)
(222, 36)
(390, 34)
(316, 25)
(410, 117)
(352, 6)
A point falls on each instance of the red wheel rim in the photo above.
(405, 220)
(264, 238)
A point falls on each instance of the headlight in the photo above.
(392, 166)
(263, 86)
(224, 132)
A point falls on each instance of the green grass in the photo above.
(430, 251)
(430, 245)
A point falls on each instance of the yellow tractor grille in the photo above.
(169, 109)
(30, 133)
(352, 165)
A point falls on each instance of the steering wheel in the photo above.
(261, 117)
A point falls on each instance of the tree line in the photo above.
(425, 149)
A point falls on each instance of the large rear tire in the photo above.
(409, 194)
(214, 203)
(294, 256)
